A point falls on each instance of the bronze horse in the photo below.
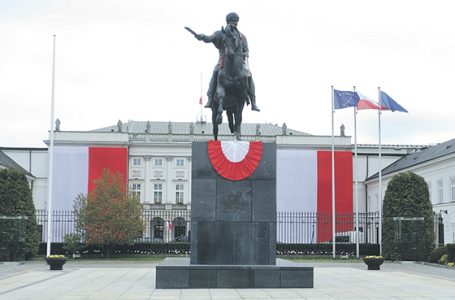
(232, 83)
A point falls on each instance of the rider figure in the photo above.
(217, 39)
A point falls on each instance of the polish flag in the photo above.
(76, 167)
(304, 184)
(366, 102)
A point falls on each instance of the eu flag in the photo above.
(343, 99)
(388, 103)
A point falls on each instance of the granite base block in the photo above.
(178, 273)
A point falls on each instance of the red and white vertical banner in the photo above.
(76, 167)
(304, 184)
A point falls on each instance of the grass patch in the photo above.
(319, 258)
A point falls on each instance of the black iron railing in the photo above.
(167, 226)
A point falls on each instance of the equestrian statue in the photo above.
(231, 85)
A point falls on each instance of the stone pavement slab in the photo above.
(95, 280)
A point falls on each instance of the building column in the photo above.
(147, 159)
(188, 198)
(168, 180)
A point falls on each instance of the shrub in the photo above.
(436, 254)
(443, 259)
(451, 252)
(72, 243)
(16, 200)
(407, 196)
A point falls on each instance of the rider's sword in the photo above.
(191, 30)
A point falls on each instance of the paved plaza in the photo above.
(136, 280)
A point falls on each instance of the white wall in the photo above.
(32, 160)
(432, 171)
(35, 162)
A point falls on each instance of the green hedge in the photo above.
(326, 249)
(16, 201)
(407, 197)
(184, 248)
(450, 252)
(137, 248)
(436, 254)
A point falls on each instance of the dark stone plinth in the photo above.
(233, 232)
(233, 222)
(178, 273)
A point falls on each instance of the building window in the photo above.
(452, 189)
(179, 226)
(453, 232)
(179, 193)
(137, 162)
(158, 174)
(157, 228)
(158, 162)
(136, 173)
(136, 190)
(440, 191)
(179, 162)
(158, 193)
(429, 190)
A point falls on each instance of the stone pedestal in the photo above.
(178, 273)
(233, 231)
(233, 222)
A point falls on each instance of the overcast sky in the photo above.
(133, 60)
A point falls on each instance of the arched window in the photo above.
(179, 226)
(157, 226)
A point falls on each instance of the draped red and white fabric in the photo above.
(234, 160)
(76, 167)
(304, 185)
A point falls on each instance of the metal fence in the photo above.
(315, 228)
(164, 226)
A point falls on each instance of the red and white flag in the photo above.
(304, 185)
(366, 102)
(76, 167)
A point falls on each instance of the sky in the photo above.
(133, 60)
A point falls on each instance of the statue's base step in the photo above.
(178, 273)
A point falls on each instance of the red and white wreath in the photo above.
(235, 160)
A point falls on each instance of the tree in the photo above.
(73, 241)
(406, 238)
(15, 201)
(111, 215)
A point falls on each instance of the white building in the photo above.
(436, 165)
(7, 162)
(159, 156)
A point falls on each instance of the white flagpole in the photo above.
(333, 179)
(201, 98)
(356, 195)
(50, 161)
(380, 173)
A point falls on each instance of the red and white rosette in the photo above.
(234, 160)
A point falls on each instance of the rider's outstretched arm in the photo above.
(214, 38)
